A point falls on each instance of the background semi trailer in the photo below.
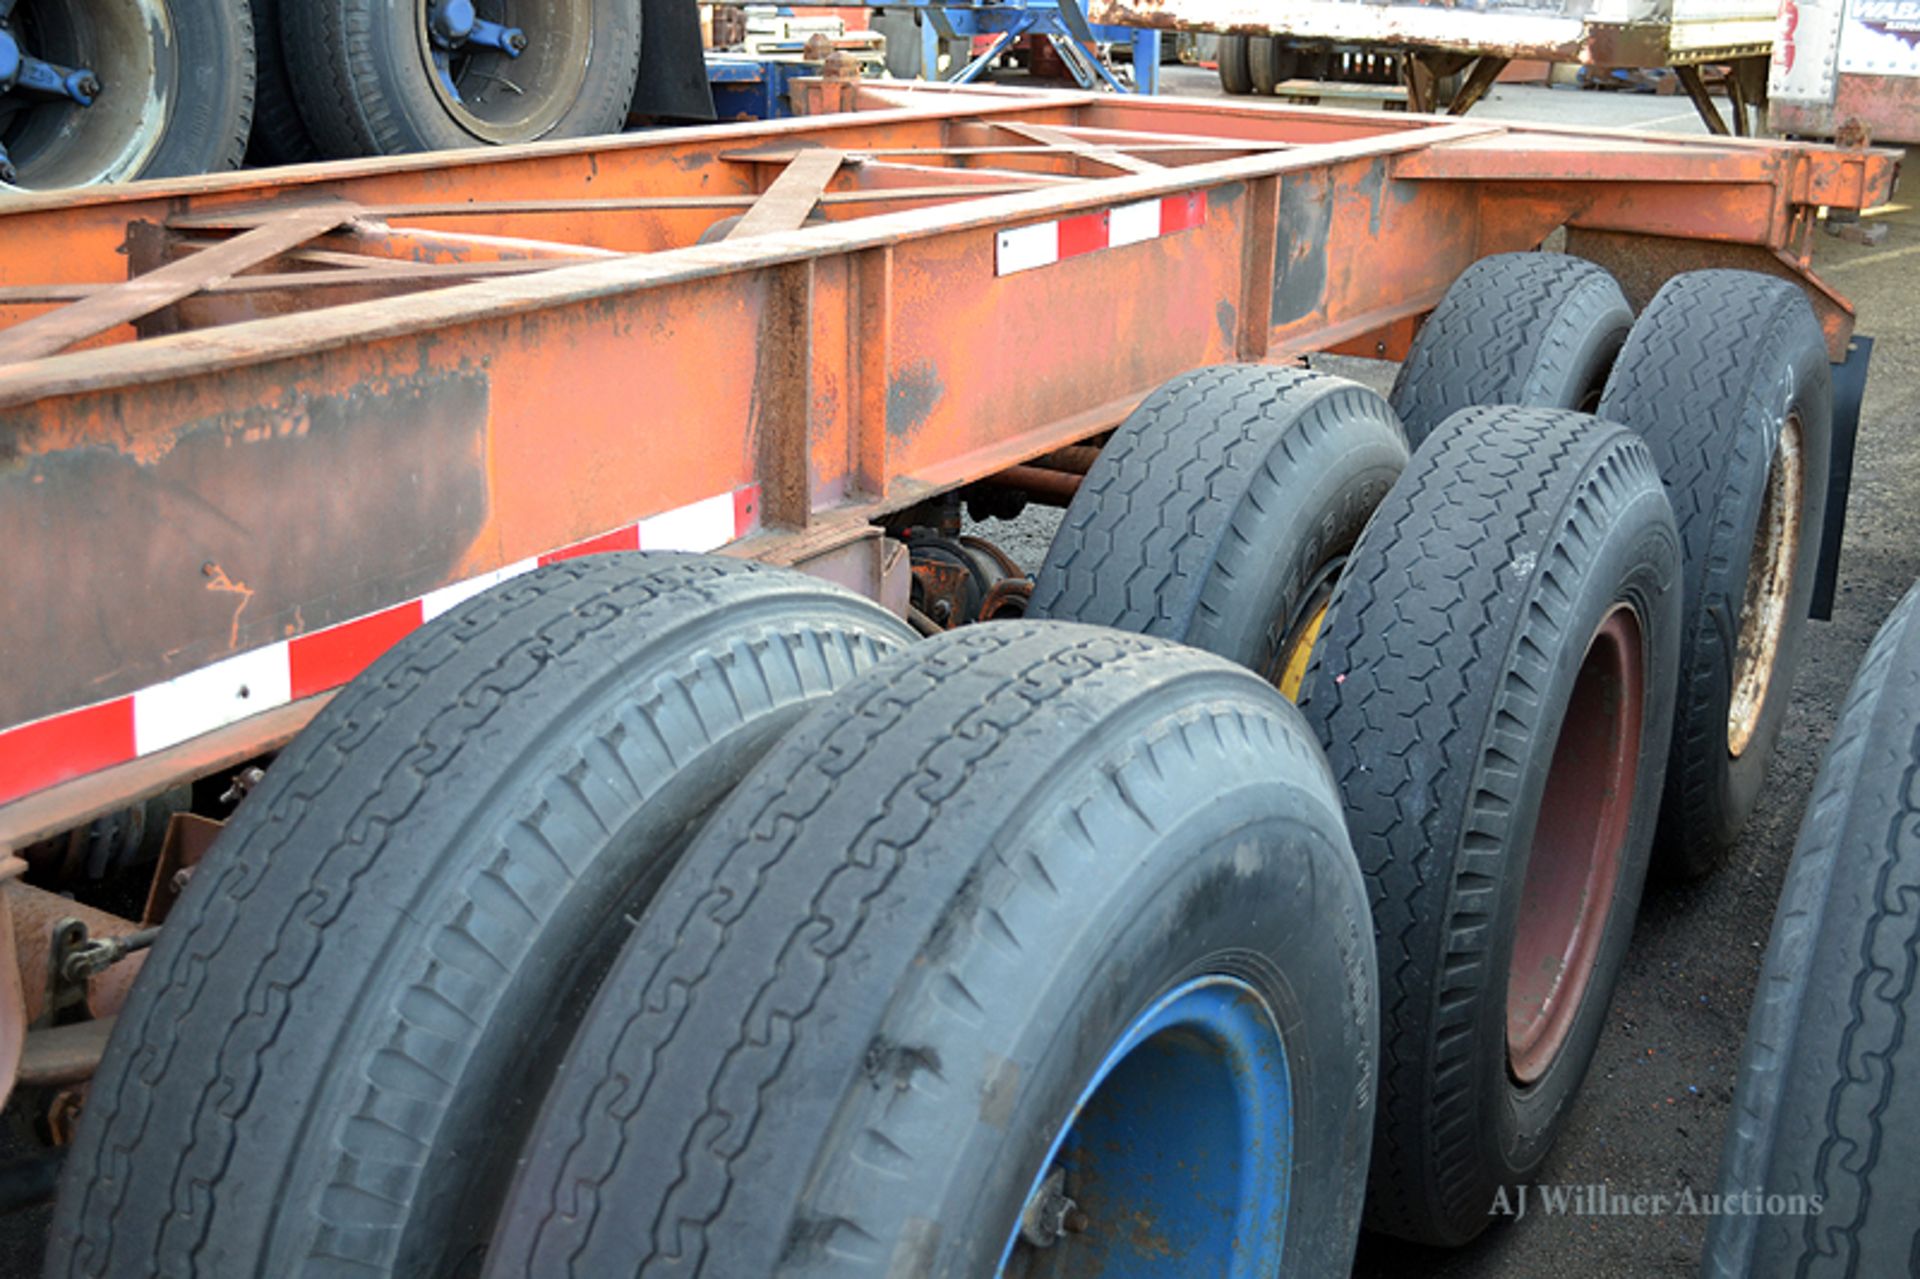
(418, 861)
(1848, 69)
(1448, 55)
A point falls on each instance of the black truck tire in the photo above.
(1817, 1175)
(1534, 329)
(1271, 62)
(212, 108)
(326, 1065)
(1236, 77)
(176, 98)
(1220, 512)
(1725, 376)
(366, 85)
(1495, 694)
(279, 134)
(851, 1033)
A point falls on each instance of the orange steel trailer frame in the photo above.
(255, 427)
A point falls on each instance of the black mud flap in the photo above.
(673, 65)
(1849, 388)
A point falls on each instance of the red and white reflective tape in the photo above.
(74, 743)
(1045, 243)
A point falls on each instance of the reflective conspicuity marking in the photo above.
(1026, 248)
(73, 743)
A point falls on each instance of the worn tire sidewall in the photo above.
(1627, 572)
(1296, 929)
(209, 77)
(1599, 326)
(1317, 511)
(493, 1077)
(1802, 382)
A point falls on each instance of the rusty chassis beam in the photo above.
(311, 448)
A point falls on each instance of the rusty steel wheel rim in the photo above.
(1287, 670)
(1585, 813)
(1768, 599)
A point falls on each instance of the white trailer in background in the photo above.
(1847, 69)
(1449, 54)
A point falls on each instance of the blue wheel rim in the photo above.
(1179, 1150)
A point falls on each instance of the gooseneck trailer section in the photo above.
(259, 429)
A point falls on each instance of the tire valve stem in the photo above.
(1049, 1214)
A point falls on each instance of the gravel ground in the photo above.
(1651, 1115)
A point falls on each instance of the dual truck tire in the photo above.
(171, 101)
(1516, 587)
(1045, 870)
(1487, 1034)
(195, 86)
(915, 958)
(1256, 64)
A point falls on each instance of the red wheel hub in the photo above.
(1575, 859)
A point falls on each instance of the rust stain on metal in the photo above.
(332, 506)
(219, 581)
(1300, 280)
(62, 1055)
(34, 914)
(911, 396)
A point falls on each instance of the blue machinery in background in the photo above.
(747, 85)
(753, 88)
(23, 74)
(1064, 23)
(454, 26)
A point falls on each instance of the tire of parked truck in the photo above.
(1041, 946)
(1495, 693)
(1221, 511)
(366, 82)
(176, 90)
(1725, 376)
(1271, 61)
(279, 134)
(1817, 1174)
(1533, 329)
(1235, 75)
(344, 1028)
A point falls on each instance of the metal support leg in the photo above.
(1486, 70)
(1737, 99)
(967, 73)
(1146, 61)
(1696, 88)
